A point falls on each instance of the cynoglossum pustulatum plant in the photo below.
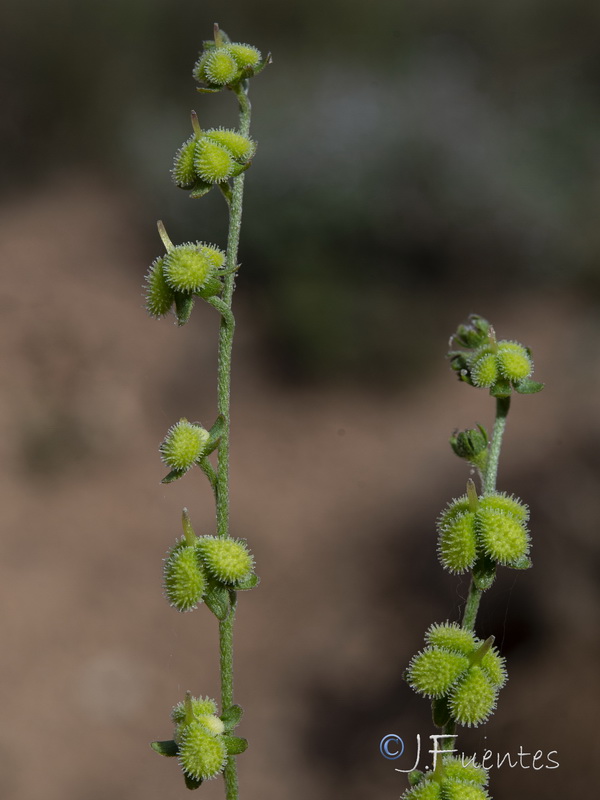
(208, 570)
(458, 670)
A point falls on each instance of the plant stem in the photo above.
(488, 485)
(226, 332)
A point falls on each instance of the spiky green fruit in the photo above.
(202, 756)
(500, 501)
(457, 544)
(184, 578)
(188, 267)
(159, 295)
(220, 67)
(201, 706)
(246, 56)
(214, 163)
(427, 790)
(452, 637)
(502, 537)
(184, 171)
(434, 671)
(514, 362)
(212, 723)
(484, 371)
(183, 445)
(473, 698)
(455, 769)
(227, 560)
(242, 148)
(459, 790)
(494, 667)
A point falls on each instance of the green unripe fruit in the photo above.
(245, 55)
(513, 360)
(433, 671)
(455, 770)
(202, 756)
(228, 560)
(183, 445)
(427, 790)
(457, 790)
(493, 665)
(220, 67)
(454, 510)
(484, 372)
(159, 295)
(184, 171)
(473, 699)
(499, 501)
(212, 723)
(214, 163)
(452, 637)
(184, 578)
(241, 147)
(189, 266)
(502, 537)
(201, 706)
(457, 545)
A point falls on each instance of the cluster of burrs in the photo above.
(450, 780)
(462, 673)
(202, 739)
(482, 361)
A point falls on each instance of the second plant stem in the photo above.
(226, 332)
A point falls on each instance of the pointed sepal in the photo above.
(168, 748)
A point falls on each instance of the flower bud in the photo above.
(227, 560)
(202, 756)
(184, 579)
(471, 444)
(183, 445)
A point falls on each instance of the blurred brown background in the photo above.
(417, 162)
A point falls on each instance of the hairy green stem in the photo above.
(488, 485)
(226, 332)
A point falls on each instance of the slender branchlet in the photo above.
(459, 672)
(208, 570)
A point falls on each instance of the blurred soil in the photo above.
(336, 490)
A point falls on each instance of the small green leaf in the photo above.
(501, 388)
(168, 748)
(231, 717)
(192, 783)
(484, 572)
(440, 712)
(173, 475)
(248, 583)
(235, 745)
(521, 563)
(527, 386)
(184, 303)
(217, 599)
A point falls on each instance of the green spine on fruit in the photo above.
(184, 170)
(452, 637)
(159, 295)
(227, 560)
(242, 148)
(202, 756)
(188, 267)
(473, 698)
(434, 671)
(184, 578)
(214, 163)
(183, 445)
